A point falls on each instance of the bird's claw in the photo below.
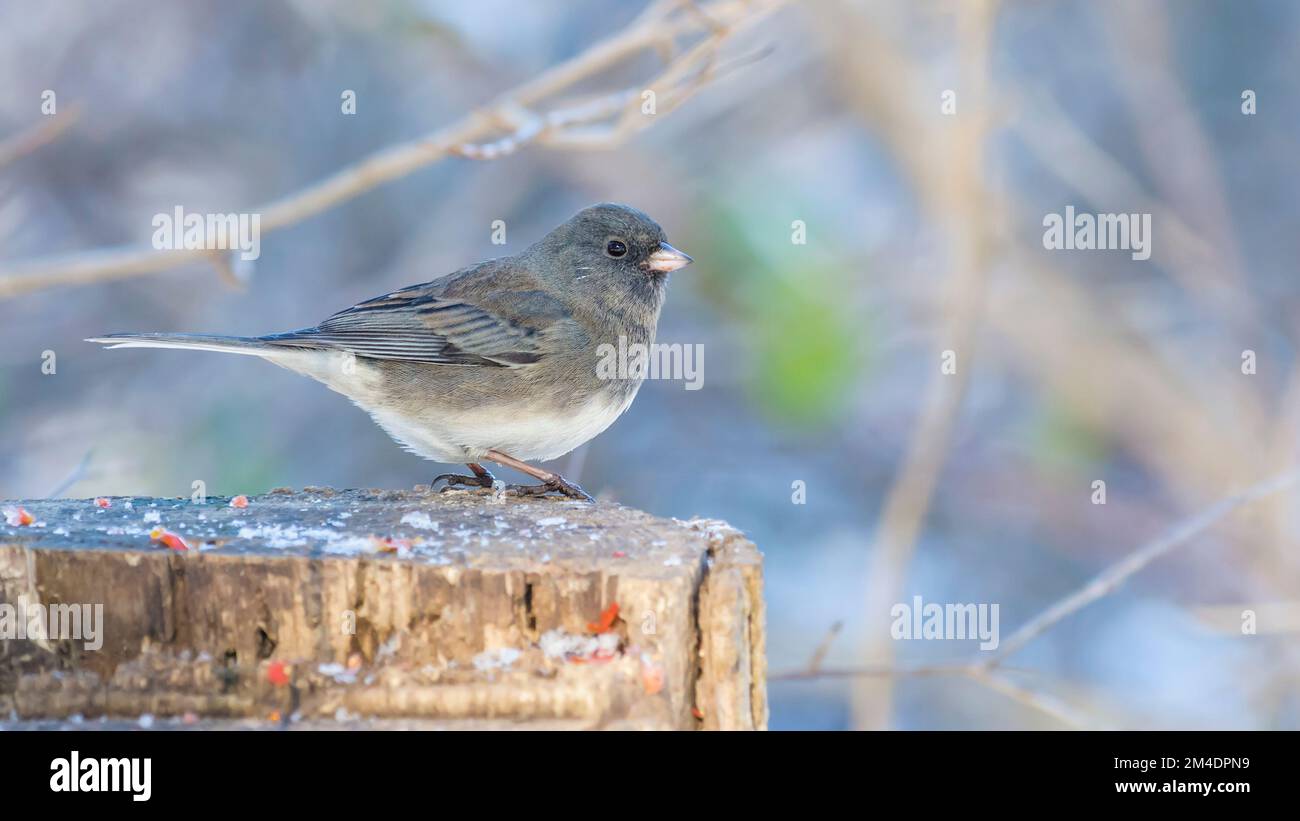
(455, 480)
(557, 484)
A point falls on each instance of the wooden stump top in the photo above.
(372, 607)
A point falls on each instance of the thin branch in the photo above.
(589, 125)
(477, 135)
(1033, 699)
(961, 668)
(875, 671)
(38, 135)
(815, 663)
(78, 473)
(1112, 577)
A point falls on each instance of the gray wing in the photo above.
(418, 324)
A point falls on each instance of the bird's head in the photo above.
(611, 246)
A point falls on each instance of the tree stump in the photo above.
(377, 608)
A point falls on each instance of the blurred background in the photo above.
(924, 228)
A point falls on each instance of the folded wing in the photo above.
(419, 324)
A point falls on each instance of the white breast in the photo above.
(531, 433)
(527, 433)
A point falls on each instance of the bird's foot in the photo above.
(455, 480)
(556, 484)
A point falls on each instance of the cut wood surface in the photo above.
(378, 608)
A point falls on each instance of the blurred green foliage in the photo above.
(807, 342)
(1062, 440)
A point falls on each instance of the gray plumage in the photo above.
(501, 356)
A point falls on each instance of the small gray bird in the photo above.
(497, 362)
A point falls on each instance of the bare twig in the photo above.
(42, 133)
(1033, 699)
(815, 663)
(1112, 577)
(874, 671)
(611, 119)
(994, 681)
(478, 135)
(78, 473)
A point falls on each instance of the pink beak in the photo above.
(666, 259)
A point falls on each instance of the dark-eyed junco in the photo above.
(496, 362)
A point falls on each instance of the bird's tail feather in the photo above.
(247, 345)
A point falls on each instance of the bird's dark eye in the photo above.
(616, 248)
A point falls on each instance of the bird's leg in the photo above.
(481, 478)
(550, 482)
